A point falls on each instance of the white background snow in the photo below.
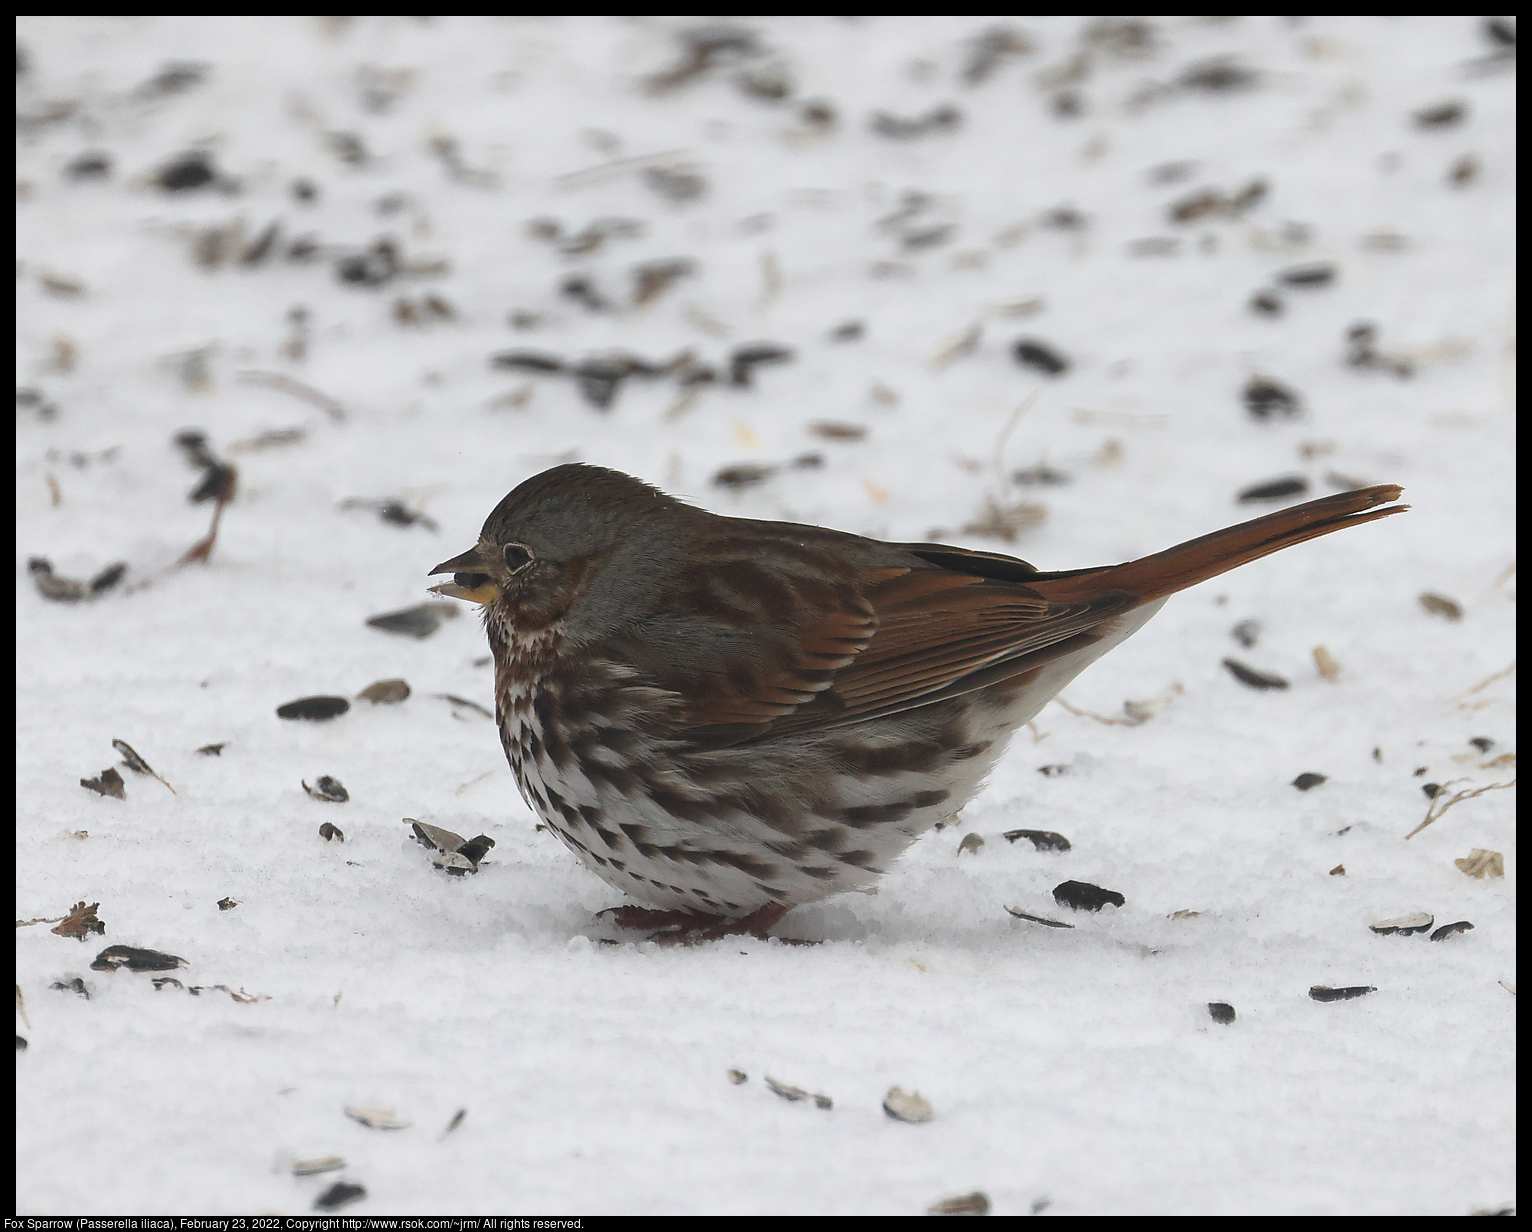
(1076, 1072)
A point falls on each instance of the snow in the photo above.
(1073, 1071)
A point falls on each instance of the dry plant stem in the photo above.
(1435, 812)
(288, 385)
(1484, 684)
(202, 550)
(1100, 718)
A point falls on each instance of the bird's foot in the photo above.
(689, 928)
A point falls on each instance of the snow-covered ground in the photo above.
(380, 206)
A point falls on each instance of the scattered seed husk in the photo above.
(1040, 476)
(1325, 664)
(1432, 790)
(1221, 1012)
(1053, 771)
(1246, 633)
(1323, 992)
(1266, 304)
(1483, 743)
(340, 1194)
(108, 783)
(327, 788)
(1404, 925)
(451, 852)
(976, 1203)
(213, 750)
(316, 709)
(942, 118)
(743, 475)
(1481, 863)
(135, 959)
(746, 359)
(385, 692)
(1038, 355)
(1315, 274)
(21, 1042)
(1445, 114)
(794, 1094)
(51, 586)
(653, 277)
(539, 362)
(738, 1077)
(1447, 930)
(1440, 605)
(1309, 780)
(1269, 399)
(80, 923)
(332, 833)
(831, 430)
(377, 1118)
(1038, 919)
(76, 986)
(971, 844)
(314, 1167)
(1041, 840)
(1005, 522)
(419, 621)
(910, 1106)
(1253, 678)
(137, 764)
(1082, 896)
(227, 904)
(1275, 489)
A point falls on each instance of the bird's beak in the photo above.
(468, 581)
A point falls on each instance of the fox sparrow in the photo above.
(724, 718)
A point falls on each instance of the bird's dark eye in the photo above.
(517, 557)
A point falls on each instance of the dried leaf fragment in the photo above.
(1481, 863)
(108, 784)
(80, 923)
(971, 844)
(738, 1077)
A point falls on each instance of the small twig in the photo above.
(55, 920)
(1485, 683)
(280, 380)
(1439, 806)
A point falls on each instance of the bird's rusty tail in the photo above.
(1196, 560)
